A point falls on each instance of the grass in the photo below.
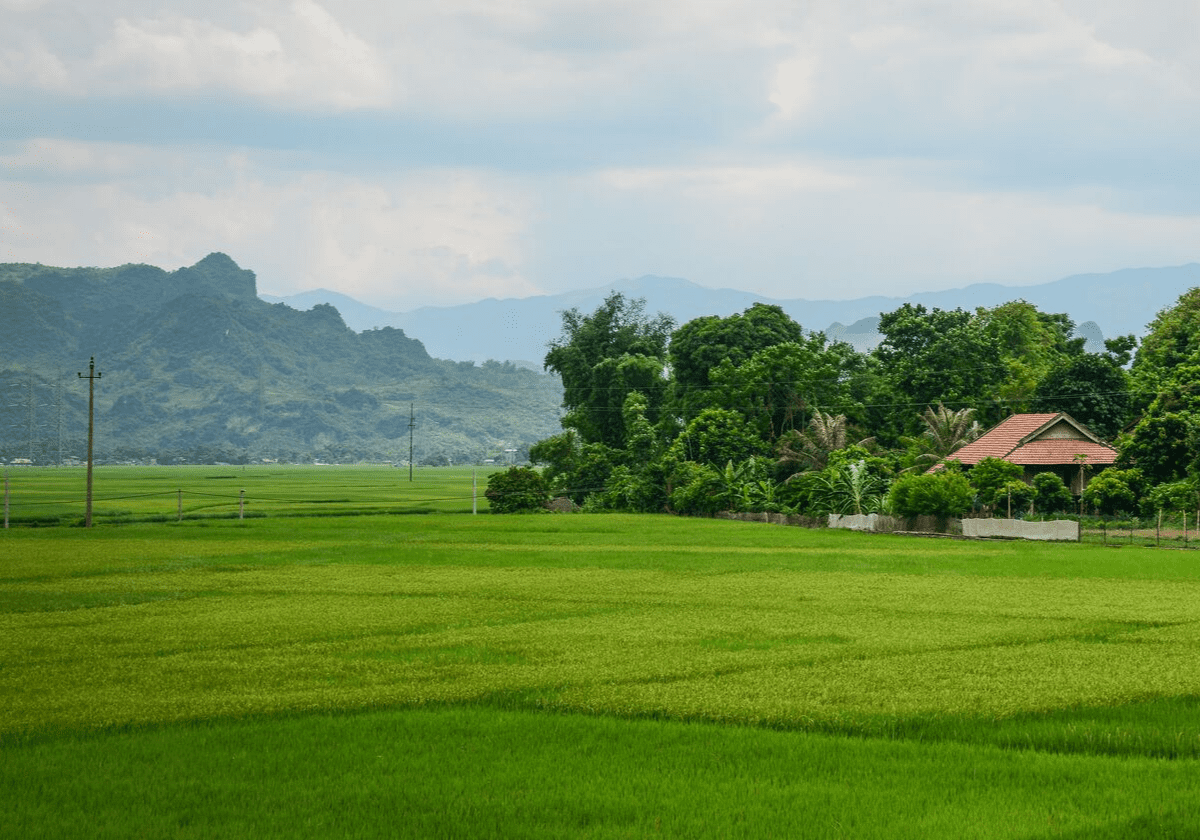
(603, 676)
(57, 495)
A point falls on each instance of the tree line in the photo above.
(752, 412)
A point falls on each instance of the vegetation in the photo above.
(596, 676)
(750, 412)
(197, 369)
(517, 490)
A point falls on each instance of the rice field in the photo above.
(451, 675)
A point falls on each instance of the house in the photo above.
(1042, 443)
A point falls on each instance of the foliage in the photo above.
(1091, 387)
(701, 346)
(698, 490)
(1053, 496)
(942, 494)
(1014, 497)
(1163, 444)
(849, 488)
(991, 477)
(938, 356)
(1172, 497)
(715, 437)
(517, 490)
(1114, 491)
(945, 431)
(604, 356)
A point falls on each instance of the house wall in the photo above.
(1062, 431)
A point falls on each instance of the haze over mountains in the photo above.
(1116, 303)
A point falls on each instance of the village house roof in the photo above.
(1037, 440)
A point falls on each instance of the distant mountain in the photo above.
(519, 329)
(196, 367)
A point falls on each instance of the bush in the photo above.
(991, 477)
(698, 490)
(1052, 494)
(941, 494)
(1113, 491)
(1173, 497)
(1014, 497)
(517, 490)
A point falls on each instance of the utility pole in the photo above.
(92, 376)
(412, 424)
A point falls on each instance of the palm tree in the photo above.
(826, 433)
(945, 431)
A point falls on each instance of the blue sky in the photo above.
(442, 151)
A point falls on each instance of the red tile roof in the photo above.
(1061, 452)
(1002, 439)
(1016, 440)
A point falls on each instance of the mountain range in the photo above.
(195, 367)
(519, 329)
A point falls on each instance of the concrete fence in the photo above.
(1058, 530)
(879, 523)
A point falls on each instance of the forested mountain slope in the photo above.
(195, 366)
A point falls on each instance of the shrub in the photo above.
(1113, 491)
(698, 490)
(1173, 497)
(991, 477)
(941, 494)
(1014, 497)
(1052, 494)
(517, 490)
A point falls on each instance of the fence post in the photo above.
(6, 499)
(1104, 531)
(474, 492)
(242, 504)
(1158, 527)
(179, 507)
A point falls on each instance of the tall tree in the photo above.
(603, 357)
(703, 344)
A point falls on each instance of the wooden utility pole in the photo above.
(412, 424)
(92, 376)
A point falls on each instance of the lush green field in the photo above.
(57, 495)
(608, 676)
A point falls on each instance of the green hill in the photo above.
(196, 367)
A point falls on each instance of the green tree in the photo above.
(991, 477)
(1173, 498)
(810, 449)
(1030, 343)
(715, 437)
(945, 431)
(1052, 494)
(604, 356)
(937, 356)
(1114, 491)
(697, 489)
(1091, 387)
(517, 490)
(702, 344)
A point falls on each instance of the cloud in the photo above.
(303, 58)
(404, 239)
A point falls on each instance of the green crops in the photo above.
(995, 670)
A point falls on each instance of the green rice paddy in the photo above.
(450, 675)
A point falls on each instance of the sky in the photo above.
(443, 151)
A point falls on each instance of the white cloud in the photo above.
(404, 240)
(304, 59)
